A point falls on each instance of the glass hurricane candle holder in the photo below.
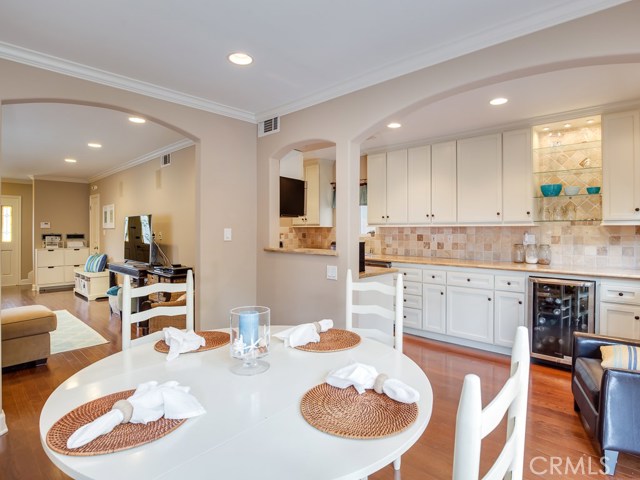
(250, 335)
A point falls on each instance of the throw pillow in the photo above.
(620, 356)
(96, 263)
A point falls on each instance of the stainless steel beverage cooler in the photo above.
(557, 308)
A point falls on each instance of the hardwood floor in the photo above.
(556, 444)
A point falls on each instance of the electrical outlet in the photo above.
(227, 235)
(332, 272)
(159, 236)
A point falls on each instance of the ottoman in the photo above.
(25, 334)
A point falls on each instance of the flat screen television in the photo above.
(138, 239)
(291, 197)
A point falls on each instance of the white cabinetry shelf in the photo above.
(55, 266)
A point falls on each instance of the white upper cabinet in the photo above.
(443, 183)
(621, 167)
(480, 179)
(318, 194)
(387, 188)
(517, 191)
(419, 185)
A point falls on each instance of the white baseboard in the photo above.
(3, 423)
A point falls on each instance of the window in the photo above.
(7, 212)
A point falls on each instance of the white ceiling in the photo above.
(305, 53)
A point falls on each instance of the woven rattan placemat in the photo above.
(345, 413)
(333, 340)
(212, 340)
(124, 436)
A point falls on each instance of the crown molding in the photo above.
(174, 147)
(23, 181)
(58, 179)
(77, 70)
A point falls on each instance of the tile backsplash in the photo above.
(571, 244)
(307, 237)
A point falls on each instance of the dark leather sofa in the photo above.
(608, 399)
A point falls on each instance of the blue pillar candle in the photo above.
(248, 326)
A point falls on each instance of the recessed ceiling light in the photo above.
(498, 101)
(590, 121)
(94, 145)
(394, 125)
(240, 58)
(70, 160)
(137, 120)
(567, 125)
(545, 129)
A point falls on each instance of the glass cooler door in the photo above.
(558, 308)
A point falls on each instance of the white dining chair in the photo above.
(394, 316)
(130, 296)
(473, 423)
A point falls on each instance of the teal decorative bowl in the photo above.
(551, 189)
(593, 190)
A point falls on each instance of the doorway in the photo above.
(95, 217)
(10, 213)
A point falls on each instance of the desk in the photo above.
(253, 427)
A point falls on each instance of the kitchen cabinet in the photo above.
(620, 310)
(419, 185)
(412, 296)
(470, 313)
(621, 167)
(509, 315)
(479, 182)
(318, 174)
(517, 194)
(434, 308)
(443, 183)
(387, 188)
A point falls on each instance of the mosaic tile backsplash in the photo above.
(571, 244)
(307, 237)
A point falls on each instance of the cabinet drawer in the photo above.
(412, 288)
(411, 274)
(473, 280)
(49, 275)
(437, 277)
(69, 275)
(413, 301)
(49, 257)
(510, 283)
(620, 293)
(412, 318)
(76, 256)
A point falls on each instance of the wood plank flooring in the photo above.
(556, 444)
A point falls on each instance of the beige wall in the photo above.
(65, 205)
(295, 287)
(25, 192)
(167, 193)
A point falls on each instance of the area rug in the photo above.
(72, 333)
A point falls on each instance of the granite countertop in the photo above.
(370, 271)
(304, 251)
(604, 272)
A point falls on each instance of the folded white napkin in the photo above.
(304, 333)
(363, 377)
(148, 403)
(181, 342)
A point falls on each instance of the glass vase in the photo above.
(250, 337)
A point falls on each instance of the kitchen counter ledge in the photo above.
(555, 269)
(304, 251)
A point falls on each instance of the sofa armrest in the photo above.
(588, 344)
(619, 417)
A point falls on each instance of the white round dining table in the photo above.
(252, 427)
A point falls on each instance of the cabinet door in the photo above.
(312, 193)
(412, 318)
(619, 320)
(377, 189)
(443, 183)
(397, 187)
(76, 256)
(621, 166)
(470, 313)
(419, 185)
(517, 191)
(509, 315)
(480, 179)
(434, 308)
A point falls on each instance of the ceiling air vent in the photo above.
(272, 125)
(166, 160)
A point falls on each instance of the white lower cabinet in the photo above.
(509, 315)
(434, 308)
(620, 310)
(470, 313)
